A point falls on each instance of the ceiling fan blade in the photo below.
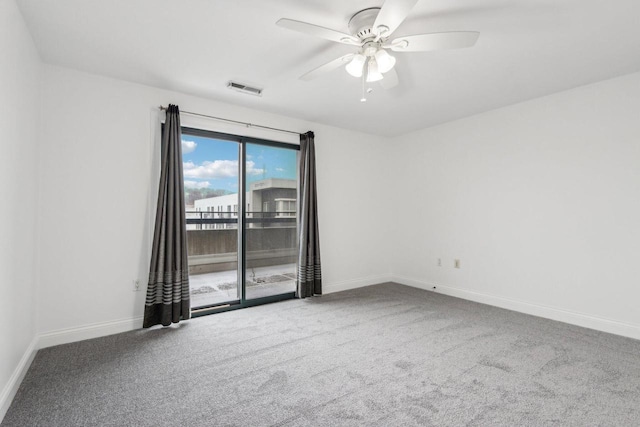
(390, 79)
(434, 41)
(315, 30)
(329, 66)
(392, 14)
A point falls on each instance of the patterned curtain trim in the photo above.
(169, 289)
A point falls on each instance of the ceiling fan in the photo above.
(371, 31)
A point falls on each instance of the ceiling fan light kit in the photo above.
(370, 30)
(373, 74)
(356, 66)
(379, 61)
(385, 61)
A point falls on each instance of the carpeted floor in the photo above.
(385, 355)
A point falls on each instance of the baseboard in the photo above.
(345, 285)
(554, 313)
(10, 390)
(94, 330)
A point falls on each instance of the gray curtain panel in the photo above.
(168, 290)
(309, 271)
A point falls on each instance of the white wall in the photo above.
(537, 200)
(19, 106)
(100, 162)
(540, 201)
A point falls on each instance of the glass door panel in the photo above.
(270, 224)
(210, 168)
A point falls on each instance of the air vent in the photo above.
(244, 88)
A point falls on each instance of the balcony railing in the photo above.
(212, 248)
(212, 240)
(283, 217)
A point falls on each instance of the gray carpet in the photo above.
(385, 355)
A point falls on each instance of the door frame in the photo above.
(242, 142)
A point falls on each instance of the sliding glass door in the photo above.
(240, 197)
(270, 230)
(210, 168)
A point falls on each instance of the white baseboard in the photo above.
(329, 288)
(10, 390)
(575, 318)
(94, 330)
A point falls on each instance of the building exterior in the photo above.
(265, 199)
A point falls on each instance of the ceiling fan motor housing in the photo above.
(370, 48)
(361, 24)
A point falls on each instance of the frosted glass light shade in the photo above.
(373, 75)
(356, 65)
(384, 60)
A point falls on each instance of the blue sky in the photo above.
(213, 163)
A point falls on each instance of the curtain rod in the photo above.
(247, 124)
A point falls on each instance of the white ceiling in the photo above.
(527, 49)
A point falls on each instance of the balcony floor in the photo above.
(221, 287)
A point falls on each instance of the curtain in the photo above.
(168, 290)
(309, 272)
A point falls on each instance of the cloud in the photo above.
(280, 169)
(211, 170)
(196, 184)
(251, 169)
(188, 146)
(217, 169)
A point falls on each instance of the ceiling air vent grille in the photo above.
(244, 88)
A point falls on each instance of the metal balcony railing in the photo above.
(280, 217)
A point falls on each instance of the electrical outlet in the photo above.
(439, 262)
(136, 285)
(456, 263)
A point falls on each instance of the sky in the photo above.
(213, 163)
